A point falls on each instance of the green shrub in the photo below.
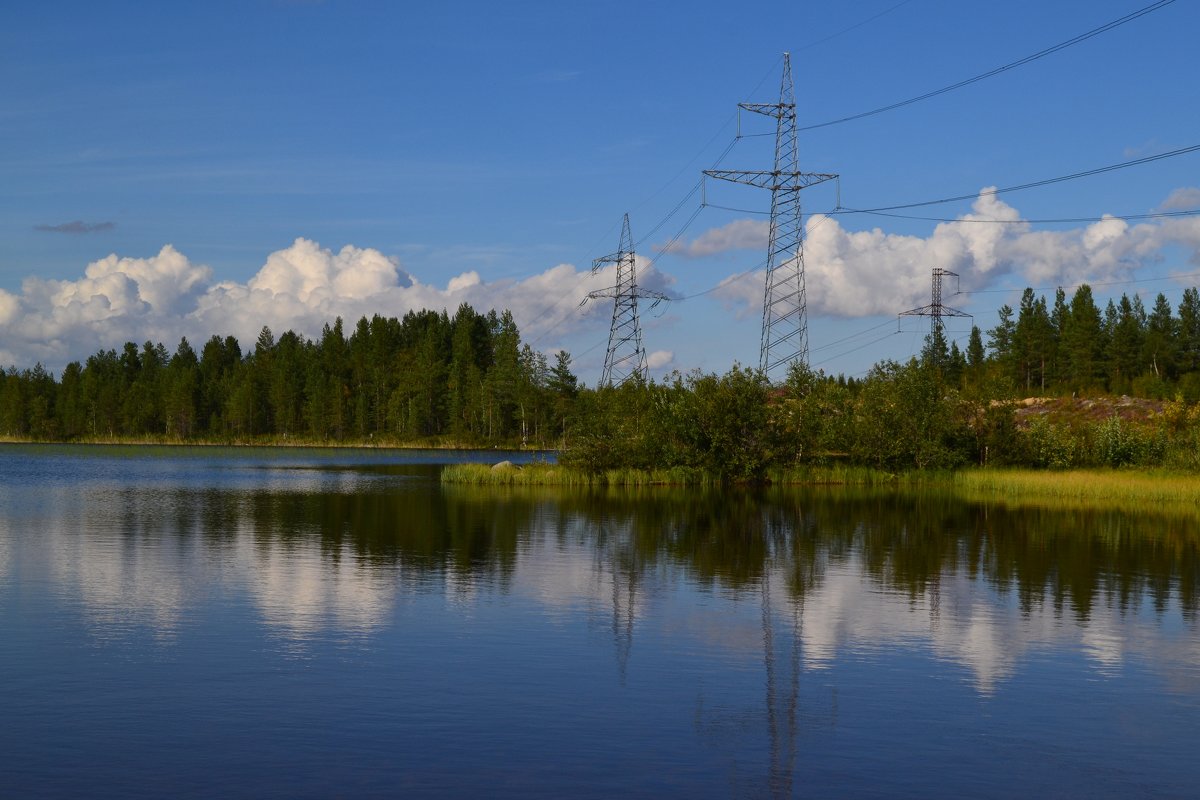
(1050, 446)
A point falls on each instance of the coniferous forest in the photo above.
(428, 377)
(469, 380)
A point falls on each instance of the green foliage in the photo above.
(1113, 446)
(998, 441)
(469, 380)
(732, 434)
(722, 425)
(907, 417)
(814, 418)
(1048, 445)
(390, 380)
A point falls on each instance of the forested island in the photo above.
(468, 380)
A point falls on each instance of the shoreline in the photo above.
(291, 443)
(1094, 487)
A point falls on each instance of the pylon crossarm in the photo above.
(655, 299)
(775, 110)
(615, 258)
(775, 181)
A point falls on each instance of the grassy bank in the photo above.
(1089, 485)
(543, 474)
(540, 474)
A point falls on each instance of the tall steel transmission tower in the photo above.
(626, 358)
(784, 322)
(936, 310)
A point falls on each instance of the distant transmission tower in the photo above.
(626, 357)
(935, 310)
(784, 323)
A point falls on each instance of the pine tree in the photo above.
(1083, 342)
(1160, 346)
(1124, 347)
(181, 391)
(1189, 330)
(1000, 338)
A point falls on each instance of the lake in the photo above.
(199, 622)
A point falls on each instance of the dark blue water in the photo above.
(264, 623)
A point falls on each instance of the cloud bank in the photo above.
(863, 273)
(301, 288)
(741, 234)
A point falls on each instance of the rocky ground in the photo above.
(1090, 409)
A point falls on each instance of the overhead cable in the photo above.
(1031, 185)
(1083, 37)
(853, 27)
(1191, 212)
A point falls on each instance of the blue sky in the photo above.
(428, 154)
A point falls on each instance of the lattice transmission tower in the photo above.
(784, 321)
(936, 309)
(626, 358)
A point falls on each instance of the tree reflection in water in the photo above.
(827, 573)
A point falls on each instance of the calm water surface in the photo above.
(265, 623)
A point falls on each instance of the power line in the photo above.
(1083, 37)
(732, 118)
(673, 212)
(738, 210)
(1086, 283)
(1031, 185)
(726, 282)
(856, 349)
(670, 244)
(1191, 212)
(691, 192)
(852, 336)
(740, 275)
(854, 27)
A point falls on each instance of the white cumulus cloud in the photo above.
(301, 287)
(1181, 199)
(741, 234)
(660, 359)
(860, 273)
(304, 286)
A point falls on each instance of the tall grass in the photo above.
(1091, 485)
(537, 474)
(839, 475)
(543, 474)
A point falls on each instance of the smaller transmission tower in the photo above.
(936, 310)
(626, 358)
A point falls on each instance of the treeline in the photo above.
(466, 379)
(740, 427)
(430, 378)
(948, 408)
(1073, 347)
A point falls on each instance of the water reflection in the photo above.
(833, 574)
(722, 623)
